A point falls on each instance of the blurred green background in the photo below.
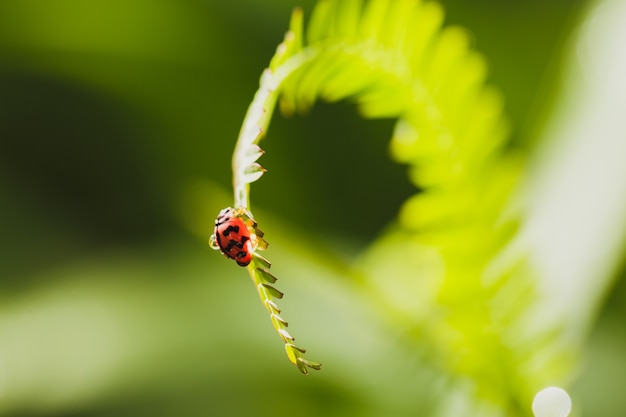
(117, 123)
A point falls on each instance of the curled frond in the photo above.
(394, 59)
(246, 170)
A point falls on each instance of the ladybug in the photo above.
(232, 237)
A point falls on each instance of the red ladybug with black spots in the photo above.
(232, 237)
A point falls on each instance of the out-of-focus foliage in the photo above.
(117, 121)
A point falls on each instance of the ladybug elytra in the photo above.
(232, 237)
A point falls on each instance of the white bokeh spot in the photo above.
(552, 402)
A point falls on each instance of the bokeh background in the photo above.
(117, 123)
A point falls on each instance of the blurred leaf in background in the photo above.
(117, 123)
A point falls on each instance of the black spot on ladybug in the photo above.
(230, 229)
(232, 243)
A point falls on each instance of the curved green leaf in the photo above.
(394, 59)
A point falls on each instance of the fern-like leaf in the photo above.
(246, 170)
(393, 58)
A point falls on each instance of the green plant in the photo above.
(470, 286)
